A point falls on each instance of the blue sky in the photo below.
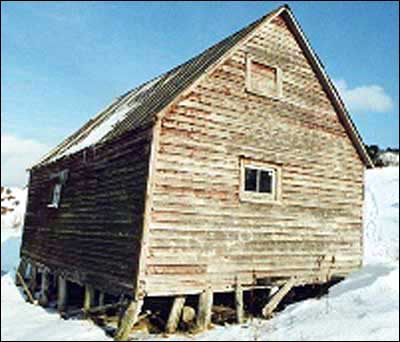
(62, 62)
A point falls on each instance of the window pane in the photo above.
(57, 195)
(251, 180)
(266, 181)
(264, 79)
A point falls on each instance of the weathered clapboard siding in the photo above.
(200, 233)
(154, 207)
(94, 237)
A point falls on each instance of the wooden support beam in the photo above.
(205, 309)
(175, 314)
(128, 320)
(21, 271)
(88, 301)
(26, 288)
(239, 303)
(62, 294)
(101, 298)
(44, 289)
(277, 298)
(91, 311)
(33, 279)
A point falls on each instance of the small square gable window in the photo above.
(263, 79)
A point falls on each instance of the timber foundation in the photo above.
(120, 316)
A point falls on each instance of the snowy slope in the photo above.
(24, 322)
(381, 215)
(355, 310)
(363, 307)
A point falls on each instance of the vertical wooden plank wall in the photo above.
(201, 234)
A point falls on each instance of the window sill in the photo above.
(263, 95)
(248, 197)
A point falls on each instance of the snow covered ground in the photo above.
(363, 307)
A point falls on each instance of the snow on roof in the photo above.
(151, 98)
(98, 131)
(147, 100)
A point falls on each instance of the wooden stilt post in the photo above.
(277, 298)
(62, 294)
(175, 314)
(128, 320)
(88, 301)
(101, 298)
(21, 271)
(26, 289)
(205, 309)
(44, 289)
(33, 279)
(239, 303)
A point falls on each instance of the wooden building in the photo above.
(238, 168)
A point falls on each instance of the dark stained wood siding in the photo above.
(94, 237)
(200, 232)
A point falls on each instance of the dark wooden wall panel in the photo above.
(94, 237)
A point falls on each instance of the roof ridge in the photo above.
(164, 89)
(205, 50)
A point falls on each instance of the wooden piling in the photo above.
(129, 319)
(44, 289)
(26, 289)
(205, 309)
(277, 298)
(21, 271)
(33, 279)
(62, 294)
(101, 298)
(89, 298)
(239, 303)
(175, 314)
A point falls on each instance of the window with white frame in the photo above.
(259, 181)
(262, 78)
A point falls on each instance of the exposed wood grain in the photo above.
(277, 298)
(201, 232)
(205, 309)
(93, 238)
(175, 314)
(44, 289)
(239, 303)
(89, 298)
(159, 211)
(129, 319)
(26, 288)
(62, 294)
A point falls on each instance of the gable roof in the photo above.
(139, 106)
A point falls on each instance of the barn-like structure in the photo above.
(240, 168)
